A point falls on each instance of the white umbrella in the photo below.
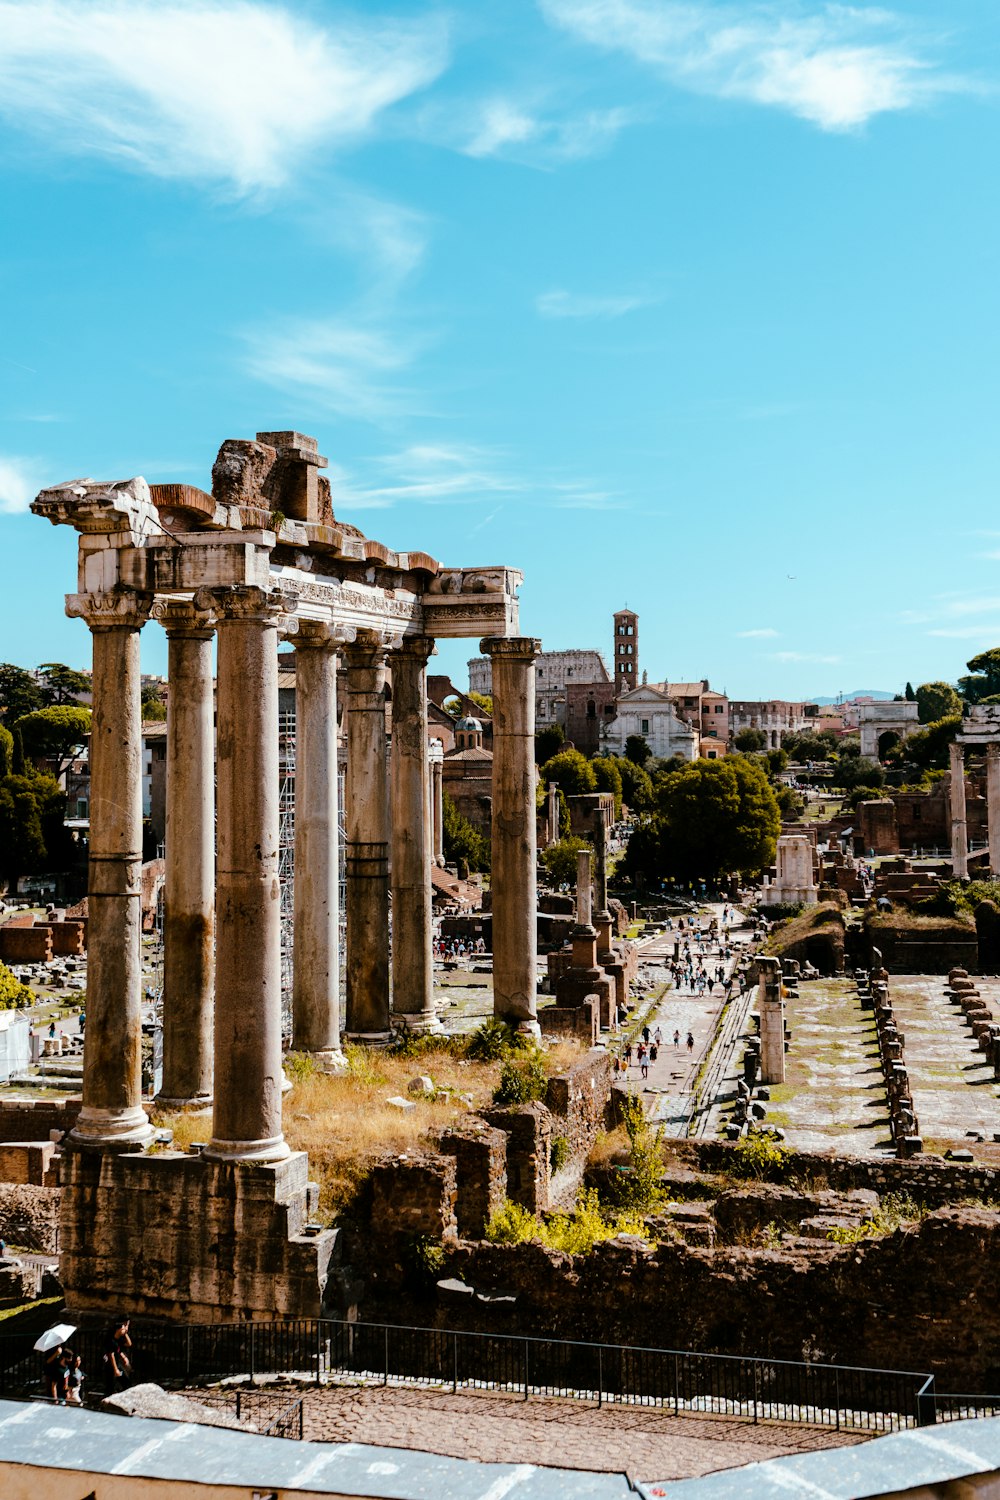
(53, 1336)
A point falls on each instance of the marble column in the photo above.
(366, 797)
(248, 1080)
(112, 1113)
(959, 835)
(513, 875)
(316, 959)
(412, 957)
(602, 917)
(189, 892)
(437, 802)
(993, 805)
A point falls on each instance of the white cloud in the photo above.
(346, 367)
(836, 65)
(966, 632)
(560, 304)
(527, 131)
(18, 484)
(809, 656)
(234, 92)
(766, 633)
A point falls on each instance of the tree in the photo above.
(929, 748)
(637, 788)
(637, 750)
(811, 745)
(937, 700)
(984, 681)
(483, 701)
(909, 696)
(858, 770)
(790, 804)
(712, 817)
(609, 779)
(22, 843)
(547, 742)
(57, 734)
(560, 860)
(749, 740)
(571, 771)
(62, 684)
(6, 752)
(463, 843)
(777, 760)
(19, 693)
(154, 710)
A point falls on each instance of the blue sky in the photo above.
(692, 306)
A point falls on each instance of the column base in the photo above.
(423, 1023)
(524, 1027)
(103, 1128)
(369, 1038)
(275, 1149)
(192, 1104)
(330, 1060)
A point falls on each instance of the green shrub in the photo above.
(760, 1158)
(558, 1153)
(782, 910)
(574, 1234)
(894, 1210)
(13, 994)
(495, 1041)
(638, 1187)
(521, 1080)
(360, 1064)
(512, 1225)
(299, 1066)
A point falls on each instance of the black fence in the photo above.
(271, 1413)
(758, 1389)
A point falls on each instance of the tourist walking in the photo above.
(117, 1356)
(690, 1041)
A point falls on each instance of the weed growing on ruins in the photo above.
(894, 1211)
(760, 1158)
(361, 1064)
(13, 994)
(638, 1187)
(425, 1258)
(495, 1041)
(299, 1066)
(521, 1080)
(574, 1234)
(558, 1153)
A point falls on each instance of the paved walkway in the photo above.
(953, 1088)
(646, 1444)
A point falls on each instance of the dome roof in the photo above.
(471, 726)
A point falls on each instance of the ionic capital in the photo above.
(523, 648)
(415, 648)
(118, 609)
(249, 604)
(183, 621)
(321, 635)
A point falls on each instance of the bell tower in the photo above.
(626, 652)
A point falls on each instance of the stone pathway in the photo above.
(495, 1428)
(833, 1097)
(953, 1088)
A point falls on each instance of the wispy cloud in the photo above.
(562, 304)
(232, 92)
(19, 480)
(807, 656)
(765, 633)
(968, 632)
(836, 65)
(351, 368)
(532, 131)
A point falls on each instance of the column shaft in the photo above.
(993, 805)
(316, 982)
(437, 802)
(959, 835)
(189, 892)
(248, 1078)
(513, 874)
(367, 852)
(112, 1110)
(412, 958)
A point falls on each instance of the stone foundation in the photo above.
(190, 1239)
(35, 1119)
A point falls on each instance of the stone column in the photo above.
(189, 893)
(602, 917)
(993, 805)
(112, 1112)
(316, 967)
(959, 836)
(412, 958)
(437, 801)
(512, 881)
(248, 1079)
(367, 851)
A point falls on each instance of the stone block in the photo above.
(480, 1153)
(414, 1194)
(529, 1131)
(26, 1162)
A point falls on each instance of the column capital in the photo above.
(417, 648)
(512, 647)
(118, 609)
(182, 620)
(370, 648)
(993, 750)
(321, 635)
(249, 602)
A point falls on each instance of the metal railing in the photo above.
(270, 1413)
(758, 1389)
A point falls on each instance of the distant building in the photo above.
(648, 711)
(774, 717)
(555, 673)
(626, 650)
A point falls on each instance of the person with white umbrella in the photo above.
(50, 1345)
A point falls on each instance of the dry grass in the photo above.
(343, 1121)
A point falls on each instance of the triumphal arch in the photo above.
(220, 1235)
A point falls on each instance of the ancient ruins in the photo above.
(260, 558)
